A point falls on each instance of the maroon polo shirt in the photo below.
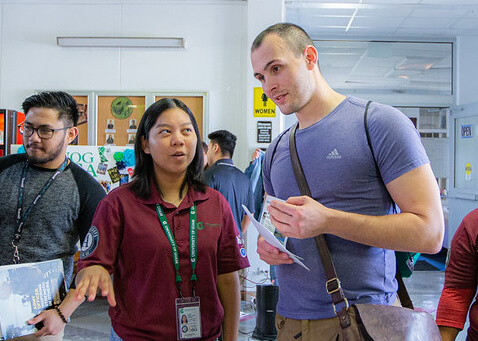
(131, 244)
(461, 278)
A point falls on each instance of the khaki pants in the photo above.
(315, 330)
(309, 330)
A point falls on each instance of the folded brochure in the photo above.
(25, 290)
(271, 239)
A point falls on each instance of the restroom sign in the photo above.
(264, 132)
(263, 105)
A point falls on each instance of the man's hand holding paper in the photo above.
(275, 253)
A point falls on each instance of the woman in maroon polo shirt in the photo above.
(461, 277)
(169, 241)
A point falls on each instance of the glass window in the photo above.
(387, 67)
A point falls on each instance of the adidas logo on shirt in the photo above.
(334, 154)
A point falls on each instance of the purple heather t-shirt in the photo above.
(341, 174)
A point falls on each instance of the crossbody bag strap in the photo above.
(332, 285)
(402, 292)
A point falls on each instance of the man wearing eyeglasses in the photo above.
(47, 202)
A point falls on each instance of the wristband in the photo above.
(61, 315)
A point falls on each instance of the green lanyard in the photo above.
(174, 247)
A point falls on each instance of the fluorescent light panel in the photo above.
(352, 18)
(154, 42)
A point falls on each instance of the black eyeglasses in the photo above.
(43, 132)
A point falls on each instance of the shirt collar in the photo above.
(191, 196)
(227, 161)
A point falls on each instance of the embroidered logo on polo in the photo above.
(334, 154)
(90, 243)
(201, 225)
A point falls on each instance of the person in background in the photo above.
(55, 197)
(254, 173)
(460, 286)
(204, 153)
(223, 176)
(350, 202)
(169, 241)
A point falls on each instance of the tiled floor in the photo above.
(91, 321)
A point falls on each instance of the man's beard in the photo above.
(49, 156)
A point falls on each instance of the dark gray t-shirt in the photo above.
(60, 218)
(341, 174)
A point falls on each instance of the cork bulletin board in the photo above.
(118, 118)
(195, 104)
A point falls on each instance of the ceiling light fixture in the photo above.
(138, 42)
(352, 18)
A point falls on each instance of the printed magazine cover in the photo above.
(26, 290)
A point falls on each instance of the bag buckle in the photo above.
(346, 302)
(332, 285)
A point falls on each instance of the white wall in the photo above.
(260, 15)
(213, 61)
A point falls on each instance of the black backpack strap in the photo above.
(402, 292)
(369, 141)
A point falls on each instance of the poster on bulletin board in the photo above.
(111, 166)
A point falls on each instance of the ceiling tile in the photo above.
(393, 2)
(420, 23)
(377, 22)
(436, 12)
(386, 11)
(447, 2)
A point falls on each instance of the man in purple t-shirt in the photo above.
(349, 201)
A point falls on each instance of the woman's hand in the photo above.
(92, 280)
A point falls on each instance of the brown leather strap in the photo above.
(333, 285)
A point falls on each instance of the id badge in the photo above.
(188, 318)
